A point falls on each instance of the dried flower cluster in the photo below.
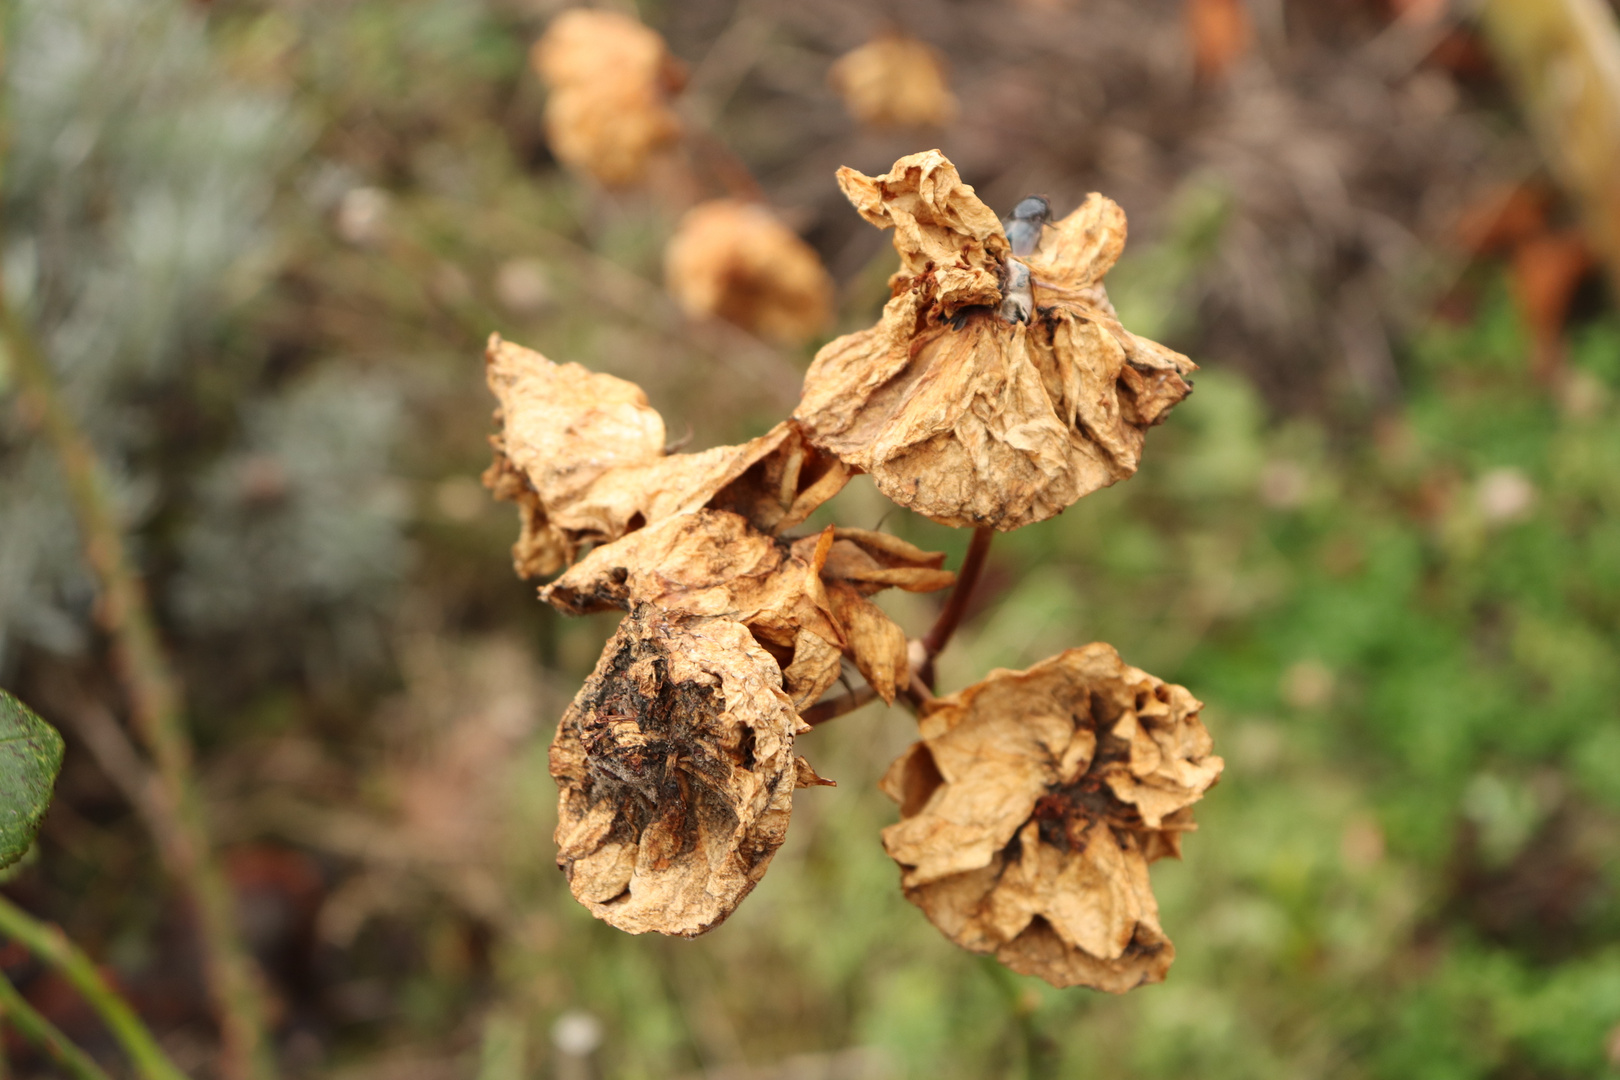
(895, 81)
(734, 260)
(997, 389)
(610, 79)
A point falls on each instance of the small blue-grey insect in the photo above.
(1023, 230)
(1024, 227)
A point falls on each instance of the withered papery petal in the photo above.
(1031, 809)
(965, 416)
(676, 769)
(715, 563)
(582, 453)
(950, 243)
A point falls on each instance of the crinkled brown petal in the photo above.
(1031, 809)
(965, 416)
(582, 453)
(798, 600)
(676, 769)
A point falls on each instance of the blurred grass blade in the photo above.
(504, 1049)
(30, 757)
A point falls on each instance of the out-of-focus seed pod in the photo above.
(895, 81)
(610, 79)
(735, 260)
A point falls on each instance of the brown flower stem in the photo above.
(155, 711)
(21, 1017)
(52, 947)
(956, 604)
(833, 708)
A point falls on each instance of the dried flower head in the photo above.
(1031, 809)
(895, 81)
(736, 261)
(583, 456)
(610, 79)
(675, 761)
(677, 773)
(999, 385)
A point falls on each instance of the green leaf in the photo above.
(30, 757)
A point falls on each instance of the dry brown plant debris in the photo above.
(610, 79)
(895, 81)
(998, 388)
(962, 413)
(1034, 803)
(583, 455)
(734, 260)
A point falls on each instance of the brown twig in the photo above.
(939, 635)
(833, 708)
(155, 711)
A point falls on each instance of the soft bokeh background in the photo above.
(263, 241)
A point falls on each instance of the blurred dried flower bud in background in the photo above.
(968, 415)
(736, 261)
(583, 455)
(1033, 805)
(895, 81)
(677, 772)
(610, 79)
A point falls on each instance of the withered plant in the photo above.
(997, 389)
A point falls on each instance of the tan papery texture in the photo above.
(610, 80)
(734, 260)
(1032, 806)
(965, 416)
(582, 454)
(895, 81)
(676, 769)
(804, 602)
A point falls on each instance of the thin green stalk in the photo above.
(45, 1035)
(51, 946)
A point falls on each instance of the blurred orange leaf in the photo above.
(1221, 33)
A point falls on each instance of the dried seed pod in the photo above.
(610, 79)
(734, 260)
(895, 81)
(676, 769)
(582, 454)
(1031, 809)
(804, 602)
(971, 410)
